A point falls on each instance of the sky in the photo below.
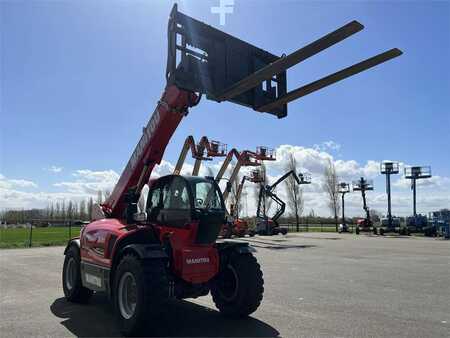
(79, 79)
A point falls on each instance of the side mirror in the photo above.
(140, 217)
(228, 188)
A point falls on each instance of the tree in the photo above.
(293, 190)
(63, 210)
(106, 194)
(99, 197)
(89, 208)
(58, 210)
(52, 211)
(82, 210)
(330, 186)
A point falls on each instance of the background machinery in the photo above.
(239, 227)
(141, 260)
(441, 221)
(344, 188)
(418, 223)
(390, 224)
(204, 150)
(364, 224)
(246, 158)
(266, 225)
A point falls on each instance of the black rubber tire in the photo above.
(381, 231)
(357, 230)
(250, 287)
(152, 293)
(78, 293)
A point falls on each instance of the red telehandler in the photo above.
(171, 250)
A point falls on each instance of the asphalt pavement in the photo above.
(321, 285)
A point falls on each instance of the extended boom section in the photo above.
(149, 151)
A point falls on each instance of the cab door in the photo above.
(176, 203)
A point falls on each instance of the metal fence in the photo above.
(313, 227)
(27, 235)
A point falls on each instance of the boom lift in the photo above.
(239, 227)
(389, 223)
(264, 224)
(418, 223)
(245, 158)
(212, 148)
(364, 224)
(142, 259)
(343, 189)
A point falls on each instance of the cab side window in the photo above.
(154, 204)
(176, 195)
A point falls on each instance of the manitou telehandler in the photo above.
(170, 251)
(266, 225)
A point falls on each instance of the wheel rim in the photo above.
(127, 295)
(229, 283)
(70, 273)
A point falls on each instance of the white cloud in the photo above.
(89, 182)
(55, 169)
(6, 183)
(434, 182)
(433, 194)
(327, 145)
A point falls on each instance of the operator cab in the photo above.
(177, 201)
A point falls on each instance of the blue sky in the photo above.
(80, 78)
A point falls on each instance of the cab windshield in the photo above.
(206, 195)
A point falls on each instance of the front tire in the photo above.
(238, 289)
(74, 291)
(141, 290)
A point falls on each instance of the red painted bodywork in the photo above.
(191, 262)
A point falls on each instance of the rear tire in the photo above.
(238, 289)
(141, 290)
(74, 291)
(357, 230)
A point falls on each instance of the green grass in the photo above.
(19, 238)
(323, 229)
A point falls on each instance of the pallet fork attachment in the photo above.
(206, 60)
